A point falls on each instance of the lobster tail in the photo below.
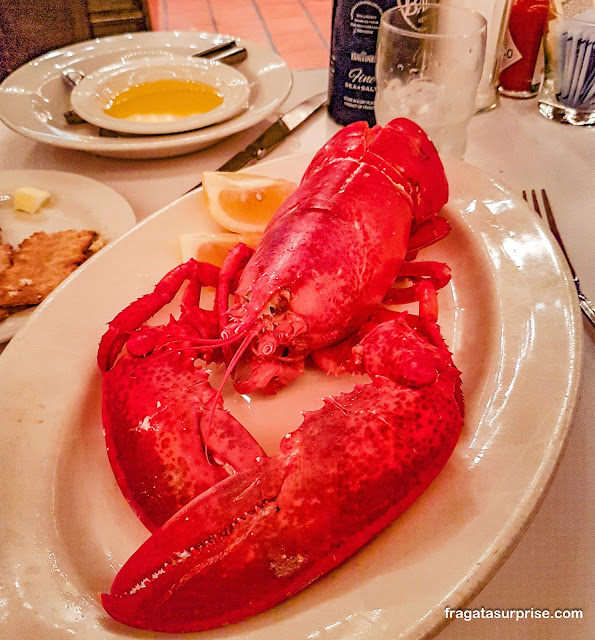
(402, 146)
(413, 154)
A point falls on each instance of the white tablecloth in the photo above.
(552, 567)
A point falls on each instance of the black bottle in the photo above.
(352, 82)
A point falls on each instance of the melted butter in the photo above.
(164, 101)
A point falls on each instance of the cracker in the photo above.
(40, 263)
(5, 257)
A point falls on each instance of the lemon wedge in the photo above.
(213, 247)
(244, 202)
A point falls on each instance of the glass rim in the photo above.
(482, 24)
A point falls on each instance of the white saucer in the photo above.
(33, 98)
(93, 95)
(76, 202)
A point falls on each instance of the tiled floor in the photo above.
(298, 30)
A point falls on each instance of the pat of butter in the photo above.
(30, 199)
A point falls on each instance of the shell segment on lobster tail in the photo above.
(236, 531)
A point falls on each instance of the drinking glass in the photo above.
(429, 60)
(496, 13)
(568, 90)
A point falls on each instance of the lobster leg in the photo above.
(135, 314)
(345, 356)
(437, 273)
(230, 270)
(426, 234)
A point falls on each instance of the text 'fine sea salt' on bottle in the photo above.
(352, 82)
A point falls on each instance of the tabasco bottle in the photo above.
(352, 81)
(520, 74)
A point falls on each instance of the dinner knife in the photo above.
(273, 135)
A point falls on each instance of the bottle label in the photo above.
(364, 18)
(352, 79)
(510, 54)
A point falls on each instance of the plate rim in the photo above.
(533, 494)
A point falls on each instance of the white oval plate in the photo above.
(76, 202)
(33, 98)
(95, 92)
(67, 529)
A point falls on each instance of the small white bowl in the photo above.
(95, 92)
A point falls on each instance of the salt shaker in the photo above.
(520, 72)
(352, 81)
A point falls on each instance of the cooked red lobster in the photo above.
(236, 531)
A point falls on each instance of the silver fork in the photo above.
(584, 302)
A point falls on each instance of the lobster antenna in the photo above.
(217, 342)
(248, 337)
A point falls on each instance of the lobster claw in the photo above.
(176, 577)
(164, 442)
(264, 534)
(168, 438)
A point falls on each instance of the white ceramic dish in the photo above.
(76, 202)
(96, 92)
(67, 529)
(33, 98)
